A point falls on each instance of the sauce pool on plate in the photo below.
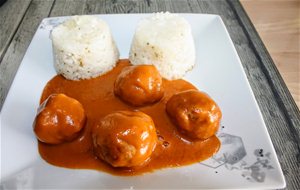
(98, 100)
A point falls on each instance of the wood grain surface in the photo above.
(279, 110)
(17, 47)
(278, 24)
(10, 20)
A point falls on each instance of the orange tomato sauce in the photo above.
(98, 99)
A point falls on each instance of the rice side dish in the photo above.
(164, 40)
(83, 48)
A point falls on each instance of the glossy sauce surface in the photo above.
(98, 99)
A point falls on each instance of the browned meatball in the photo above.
(139, 85)
(194, 113)
(59, 119)
(124, 138)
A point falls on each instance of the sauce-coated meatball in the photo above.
(124, 138)
(139, 85)
(194, 113)
(59, 119)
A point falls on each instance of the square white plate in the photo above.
(246, 159)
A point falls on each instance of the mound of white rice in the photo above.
(164, 40)
(83, 48)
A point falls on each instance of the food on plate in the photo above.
(194, 113)
(97, 96)
(136, 118)
(124, 138)
(83, 48)
(164, 40)
(59, 119)
(139, 85)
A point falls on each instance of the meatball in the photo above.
(124, 138)
(139, 85)
(59, 119)
(194, 113)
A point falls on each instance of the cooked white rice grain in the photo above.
(164, 40)
(83, 48)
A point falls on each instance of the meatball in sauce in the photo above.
(122, 142)
(125, 138)
(59, 119)
(194, 113)
(139, 85)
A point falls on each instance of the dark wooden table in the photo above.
(19, 20)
